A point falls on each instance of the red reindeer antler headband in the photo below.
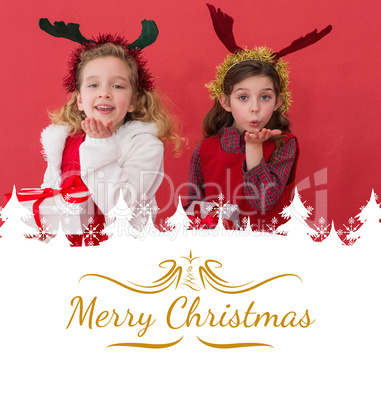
(223, 26)
(71, 31)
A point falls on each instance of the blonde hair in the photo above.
(148, 104)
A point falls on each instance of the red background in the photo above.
(335, 84)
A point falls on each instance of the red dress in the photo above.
(222, 173)
(71, 168)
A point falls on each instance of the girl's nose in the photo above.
(104, 93)
(254, 106)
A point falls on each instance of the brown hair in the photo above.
(148, 108)
(217, 119)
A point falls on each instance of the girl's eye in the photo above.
(243, 98)
(118, 87)
(265, 97)
(93, 85)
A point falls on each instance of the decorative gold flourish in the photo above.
(232, 345)
(163, 283)
(189, 280)
(217, 283)
(148, 345)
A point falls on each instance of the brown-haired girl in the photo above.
(111, 132)
(248, 155)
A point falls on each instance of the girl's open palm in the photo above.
(258, 137)
(96, 128)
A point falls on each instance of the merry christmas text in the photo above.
(180, 314)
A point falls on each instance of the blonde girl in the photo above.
(112, 131)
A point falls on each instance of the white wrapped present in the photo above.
(72, 207)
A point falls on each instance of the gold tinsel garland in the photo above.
(216, 87)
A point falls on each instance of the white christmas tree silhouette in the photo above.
(297, 214)
(120, 216)
(179, 219)
(333, 239)
(60, 239)
(220, 224)
(369, 216)
(121, 209)
(246, 225)
(14, 215)
(149, 229)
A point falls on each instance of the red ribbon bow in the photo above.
(72, 186)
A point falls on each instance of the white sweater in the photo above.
(131, 159)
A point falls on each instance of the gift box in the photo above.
(205, 215)
(72, 207)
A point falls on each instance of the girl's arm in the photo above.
(265, 182)
(53, 143)
(133, 163)
(195, 179)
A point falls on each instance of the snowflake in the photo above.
(362, 207)
(230, 208)
(375, 197)
(209, 208)
(67, 220)
(90, 221)
(43, 232)
(145, 209)
(244, 221)
(91, 232)
(70, 209)
(197, 224)
(322, 231)
(310, 208)
(67, 197)
(221, 208)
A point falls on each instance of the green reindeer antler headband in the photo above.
(71, 31)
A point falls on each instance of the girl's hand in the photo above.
(254, 141)
(96, 128)
(259, 137)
